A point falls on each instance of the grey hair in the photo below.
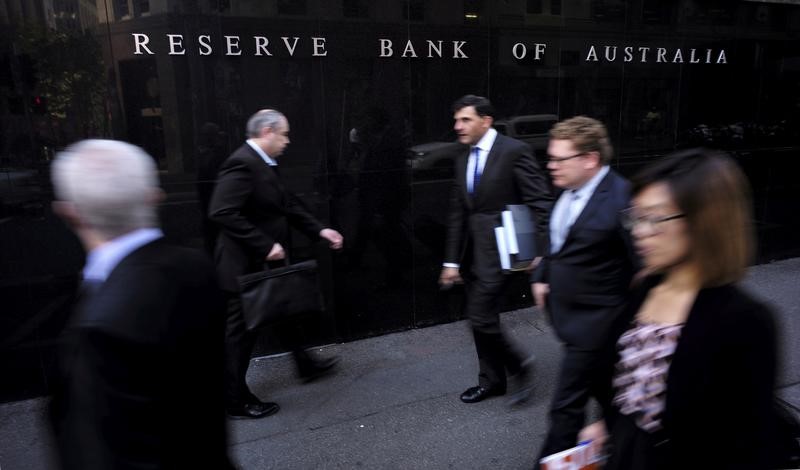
(264, 118)
(112, 185)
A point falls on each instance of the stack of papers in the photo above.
(581, 457)
(516, 238)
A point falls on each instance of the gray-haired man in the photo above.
(143, 354)
(254, 211)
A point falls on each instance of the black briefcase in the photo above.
(276, 294)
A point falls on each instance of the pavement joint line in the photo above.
(340, 422)
(382, 410)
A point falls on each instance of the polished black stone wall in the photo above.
(371, 147)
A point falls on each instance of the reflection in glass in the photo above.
(414, 10)
(371, 140)
(355, 8)
(292, 7)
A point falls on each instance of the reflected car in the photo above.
(533, 129)
(437, 158)
(434, 155)
(22, 192)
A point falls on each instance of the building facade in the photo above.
(367, 87)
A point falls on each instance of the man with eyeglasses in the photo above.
(582, 283)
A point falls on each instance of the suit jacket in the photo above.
(253, 210)
(590, 276)
(142, 361)
(720, 384)
(511, 175)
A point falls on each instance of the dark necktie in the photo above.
(476, 176)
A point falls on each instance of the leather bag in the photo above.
(276, 294)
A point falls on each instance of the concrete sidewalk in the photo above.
(394, 404)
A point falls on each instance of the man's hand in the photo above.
(597, 434)
(335, 239)
(448, 277)
(276, 253)
(540, 291)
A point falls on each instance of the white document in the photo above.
(511, 233)
(502, 248)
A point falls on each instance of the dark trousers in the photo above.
(239, 345)
(579, 379)
(496, 356)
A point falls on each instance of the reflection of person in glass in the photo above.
(497, 171)
(143, 355)
(695, 355)
(383, 193)
(254, 211)
(211, 152)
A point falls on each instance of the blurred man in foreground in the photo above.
(143, 353)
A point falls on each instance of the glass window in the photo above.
(608, 10)
(532, 127)
(656, 12)
(355, 9)
(292, 7)
(219, 5)
(121, 9)
(414, 10)
(712, 12)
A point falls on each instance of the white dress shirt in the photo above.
(569, 206)
(484, 146)
(267, 159)
(103, 259)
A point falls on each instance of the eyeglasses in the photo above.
(630, 220)
(552, 159)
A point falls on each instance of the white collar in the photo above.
(261, 153)
(588, 188)
(103, 259)
(487, 140)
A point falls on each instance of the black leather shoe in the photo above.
(253, 410)
(319, 368)
(476, 394)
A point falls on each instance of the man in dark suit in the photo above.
(584, 280)
(143, 354)
(254, 211)
(495, 172)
